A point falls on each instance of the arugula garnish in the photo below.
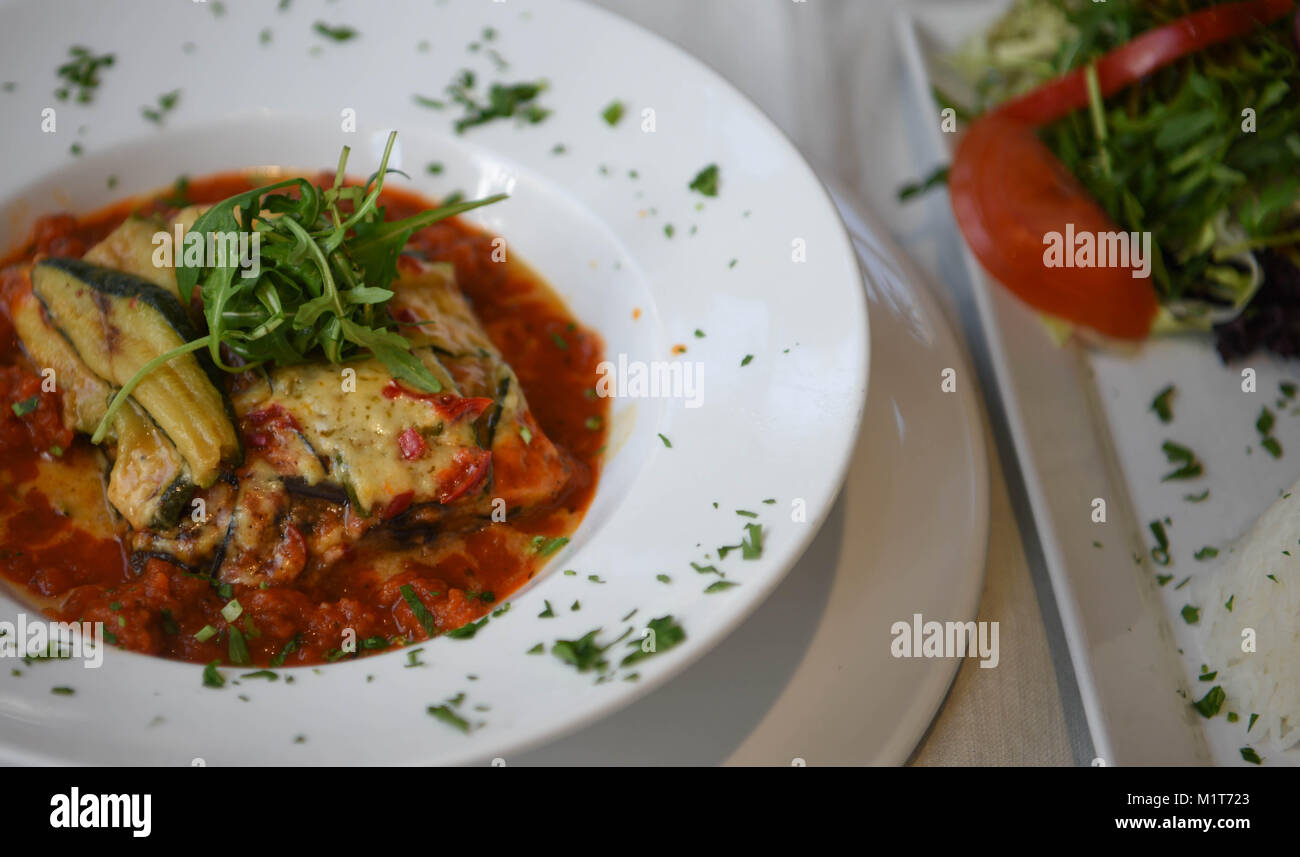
(327, 259)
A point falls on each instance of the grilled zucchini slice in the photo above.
(84, 394)
(129, 248)
(149, 482)
(117, 323)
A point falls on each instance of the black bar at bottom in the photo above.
(199, 805)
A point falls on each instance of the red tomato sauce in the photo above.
(152, 605)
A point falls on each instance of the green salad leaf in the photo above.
(1203, 153)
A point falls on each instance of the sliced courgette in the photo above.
(196, 538)
(117, 323)
(84, 394)
(135, 245)
(130, 248)
(150, 482)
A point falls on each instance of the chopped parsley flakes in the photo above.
(504, 101)
(80, 74)
(542, 546)
(706, 181)
(664, 633)
(1161, 404)
(1160, 553)
(1209, 705)
(468, 630)
(212, 676)
(613, 113)
(1264, 425)
(1189, 466)
(166, 104)
(584, 654)
(445, 714)
(422, 614)
(338, 34)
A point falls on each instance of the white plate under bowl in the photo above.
(810, 677)
(592, 221)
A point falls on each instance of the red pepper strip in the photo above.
(1142, 55)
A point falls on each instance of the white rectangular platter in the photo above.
(1084, 430)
